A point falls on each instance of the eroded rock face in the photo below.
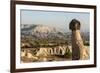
(59, 50)
(45, 54)
(85, 53)
(27, 56)
(79, 51)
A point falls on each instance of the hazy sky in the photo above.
(58, 20)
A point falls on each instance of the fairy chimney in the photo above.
(77, 42)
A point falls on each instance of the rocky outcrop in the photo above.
(43, 54)
(79, 51)
(60, 50)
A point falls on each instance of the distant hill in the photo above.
(47, 32)
(41, 31)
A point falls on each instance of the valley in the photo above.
(40, 43)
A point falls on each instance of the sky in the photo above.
(59, 20)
